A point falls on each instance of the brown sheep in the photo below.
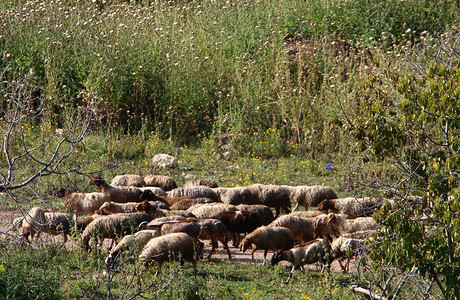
(119, 195)
(308, 196)
(264, 212)
(53, 223)
(268, 238)
(274, 196)
(214, 230)
(352, 225)
(235, 195)
(166, 183)
(354, 207)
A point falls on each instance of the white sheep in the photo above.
(128, 180)
(210, 210)
(83, 203)
(174, 246)
(314, 251)
(268, 238)
(164, 182)
(37, 221)
(346, 225)
(354, 207)
(130, 241)
(306, 213)
(308, 196)
(193, 192)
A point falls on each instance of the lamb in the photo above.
(354, 207)
(130, 241)
(82, 203)
(307, 229)
(174, 246)
(272, 196)
(235, 195)
(352, 225)
(166, 183)
(309, 253)
(210, 210)
(263, 212)
(203, 182)
(128, 180)
(111, 227)
(53, 223)
(116, 194)
(186, 203)
(194, 192)
(268, 238)
(308, 196)
(214, 230)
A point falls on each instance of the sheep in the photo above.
(308, 196)
(116, 194)
(309, 253)
(110, 207)
(155, 212)
(238, 222)
(151, 196)
(37, 221)
(82, 203)
(268, 238)
(307, 229)
(210, 210)
(273, 196)
(112, 226)
(174, 246)
(137, 240)
(166, 183)
(264, 213)
(354, 207)
(186, 203)
(345, 248)
(155, 190)
(306, 213)
(214, 230)
(194, 192)
(352, 225)
(203, 182)
(128, 180)
(235, 195)
(360, 234)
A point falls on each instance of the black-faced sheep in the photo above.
(155, 190)
(186, 203)
(308, 196)
(210, 210)
(128, 180)
(53, 223)
(166, 183)
(174, 246)
(307, 229)
(314, 251)
(130, 241)
(354, 207)
(194, 192)
(116, 194)
(268, 238)
(204, 182)
(155, 212)
(82, 203)
(235, 195)
(214, 230)
(112, 227)
(271, 195)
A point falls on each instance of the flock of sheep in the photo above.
(163, 222)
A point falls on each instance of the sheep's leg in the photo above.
(290, 274)
(344, 270)
(295, 207)
(226, 248)
(213, 248)
(277, 210)
(252, 254)
(265, 255)
(286, 209)
(198, 248)
(194, 266)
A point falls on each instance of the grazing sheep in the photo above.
(271, 195)
(354, 207)
(268, 238)
(166, 183)
(264, 212)
(346, 248)
(116, 194)
(174, 246)
(53, 223)
(306, 213)
(307, 229)
(235, 195)
(155, 190)
(204, 182)
(82, 203)
(116, 208)
(352, 225)
(238, 222)
(314, 251)
(130, 241)
(210, 210)
(214, 230)
(186, 203)
(128, 180)
(194, 192)
(308, 196)
(112, 227)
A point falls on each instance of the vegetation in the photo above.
(241, 92)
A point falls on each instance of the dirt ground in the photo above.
(7, 217)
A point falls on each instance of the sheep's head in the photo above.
(246, 243)
(324, 205)
(148, 195)
(276, 258)
(146, 207)
(325, 227)
(106, 208)
(97, 181)
(62, 193)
